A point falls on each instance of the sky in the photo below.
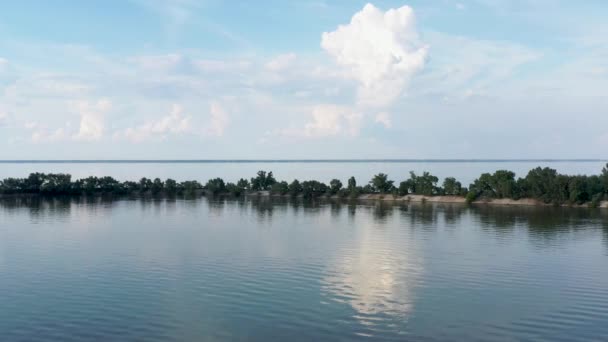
(211, 79)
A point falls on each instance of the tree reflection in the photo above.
(382, 211)
(424, 215)
(263, 207)
(452, 212)
(335, 209)
(543, 225)
(38, 207)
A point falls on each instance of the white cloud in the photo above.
(42, 136)
(92, 119)
(331, 120)
(281, 62)
(219, 120)
(384, 119)
(381, 50)
(174, 123)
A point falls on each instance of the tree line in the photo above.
(544, 184)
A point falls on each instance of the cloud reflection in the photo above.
(377, 273)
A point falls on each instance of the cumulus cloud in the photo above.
(332, 120)
(281, 62)
(92, 119)
(219, 120)
(42, 134)
(380, 50)
(174, 123)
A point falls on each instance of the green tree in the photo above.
(12, 186)
(313, 188)
(109, 185)
(295, 188)
(157, 186)
(381, 184)
(145, 185)
(132, 187)
(280, 188)
(239, 188)
(471, 196)
(190, 187)
(33, 183)
(334, 186)
(263, 181)
(170, 186)
(234, 189)
(352, 184)
(90, 185)
(243, 184)
(604, 178)
(452, 187)
(56, 184)
(422, 185)
(542, 184)
(403, 188)
(367, 189)
(215, 186)
(503, 184)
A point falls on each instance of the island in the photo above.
(541, 186)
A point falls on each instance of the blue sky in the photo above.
(303, 79)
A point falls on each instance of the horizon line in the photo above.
(375, 160)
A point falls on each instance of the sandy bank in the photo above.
(438, 199)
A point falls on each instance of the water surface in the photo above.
(219, 269)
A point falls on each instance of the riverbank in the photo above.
(540, 187)
(530, 202)
(433, 199)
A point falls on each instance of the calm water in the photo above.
(466, 172)
(259, 270)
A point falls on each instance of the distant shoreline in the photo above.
(226, 161)
(529, 202)
(364, 198)
(541, 186)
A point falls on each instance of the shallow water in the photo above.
(261, 269)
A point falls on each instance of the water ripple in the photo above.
(191, 270)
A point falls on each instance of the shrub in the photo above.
(471, 197)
